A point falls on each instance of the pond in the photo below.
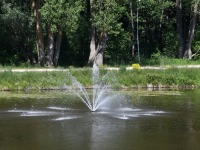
(166, 120)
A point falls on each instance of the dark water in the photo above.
(155, 122)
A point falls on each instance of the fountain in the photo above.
(103, 101)
(103, 95)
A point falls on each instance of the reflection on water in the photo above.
(167, 122)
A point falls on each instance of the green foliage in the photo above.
(157, 30)
(106, 16)
(118, 46)
(64, 13)
(16, 32)
(196, 44)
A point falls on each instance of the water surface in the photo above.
(155, 121)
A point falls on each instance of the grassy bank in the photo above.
(172, 78)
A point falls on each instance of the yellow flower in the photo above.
(136, 66)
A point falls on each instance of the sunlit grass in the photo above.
(125, 78)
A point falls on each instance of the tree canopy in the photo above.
(60, 32)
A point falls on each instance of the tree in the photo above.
(132, 28)
(154, 22)
(188, 51)
(93, 35)
(179, 26)
(59, 15)
(58, 45)
(36, 5)
(50, 46)
(16, 33)
(183, 20)
(66, 32)
(104, 20)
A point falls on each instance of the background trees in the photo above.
(59, 15)
(16, 32)
(186, 23)
(67, 32)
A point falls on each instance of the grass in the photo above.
(125, 78)
(168, 77)
(34, 80)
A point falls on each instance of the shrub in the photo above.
(136, 66)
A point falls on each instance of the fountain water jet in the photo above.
(102, 92)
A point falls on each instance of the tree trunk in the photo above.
(96, 52)
(39, 40)
(179, 28)
(132, 29)
(50, 48)
(93, 52)
(188, 52)
(160, 41)
(29, 53)
(58, 45)
(100, 49)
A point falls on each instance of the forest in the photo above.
(107, 32)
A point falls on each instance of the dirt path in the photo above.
(158, 67)
(109, 68)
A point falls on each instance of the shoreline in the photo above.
(148, 87)
(172, 78)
